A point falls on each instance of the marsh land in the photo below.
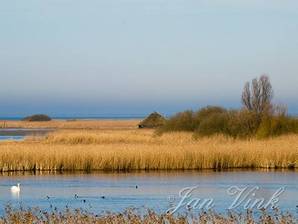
(118, 145)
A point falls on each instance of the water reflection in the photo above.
(18, 134)
(117, 191)
(15, 195)
(12, 138)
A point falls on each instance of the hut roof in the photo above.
(154, 120)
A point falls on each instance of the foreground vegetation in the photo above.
(132, 216)
(124, 150)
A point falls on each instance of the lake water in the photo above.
(18, 134)
(13, 138)
(99, 192)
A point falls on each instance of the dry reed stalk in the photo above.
(142, 150)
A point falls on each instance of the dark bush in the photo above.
(37, 117)
(243, 124)
(215, 123)
(238, 124)
(277, 125)
(189, 120)
(183, 121)
(207, 111)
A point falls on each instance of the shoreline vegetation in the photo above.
(258, 118)
(135, 216)
(127, 148)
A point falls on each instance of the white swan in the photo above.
(15, 189)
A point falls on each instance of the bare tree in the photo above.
(246, 96)
(258, 95)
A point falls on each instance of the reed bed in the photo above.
(126, 150)
(73, 124)
(133, 216)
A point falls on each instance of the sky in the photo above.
(132, 57)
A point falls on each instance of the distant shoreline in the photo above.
(105, 117)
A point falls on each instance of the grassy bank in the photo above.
(124, 150)
(131, 216)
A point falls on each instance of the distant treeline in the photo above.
(259, 117)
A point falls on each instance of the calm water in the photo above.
(154, 190)
(18, 134)
(10, 137)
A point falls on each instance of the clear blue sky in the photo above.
(95, 57)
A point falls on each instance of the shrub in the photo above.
(189, 120)
(37, 117)
(277, 125)
(183, 121)
(209, 110)
(212, 122)
(243, 124)
(238, 124)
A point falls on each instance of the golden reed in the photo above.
(124, 150)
